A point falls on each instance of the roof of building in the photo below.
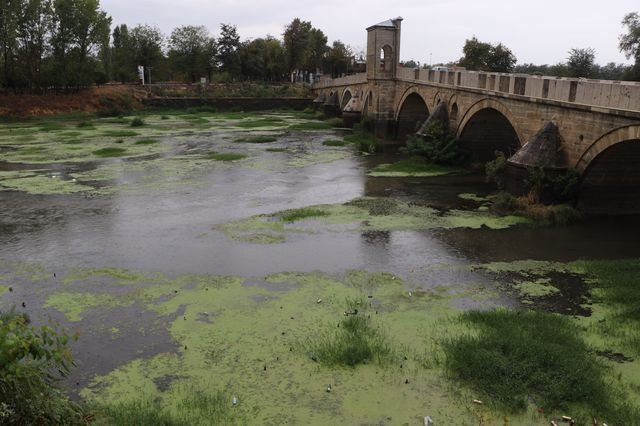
(389, 23)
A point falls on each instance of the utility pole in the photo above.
(149, 70)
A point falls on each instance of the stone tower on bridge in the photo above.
(383, 61)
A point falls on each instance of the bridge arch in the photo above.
(411, 112)
(346, 97)
(488, 126)
(610, 173)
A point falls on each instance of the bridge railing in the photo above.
(622, 95)
(341, 81)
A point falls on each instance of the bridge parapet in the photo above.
(619, 95)
(341, 81)
(622, 95)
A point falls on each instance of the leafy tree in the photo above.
(192, 51)
(410, 64)
(501, 59)
(9, 10)
(296, 41)
(34, 25)
(79, 28)
(316, 50)
(338, 59)
(630, 42)
(146, 45)
(228, 56)
(487, 57)
(581, 62)
(123, 64)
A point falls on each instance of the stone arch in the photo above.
(606, 141)
(610, 175)
(411, 112)
(454, 112)
(346, 97)
(367, 105)
(386, 58)
(437, 98)
(488, 126)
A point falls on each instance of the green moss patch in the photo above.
(335, 142)
(300, 214)
(120, 133)
(256, 139)
(311, 125)
(147, 142)
(43, 185)
(110, 152)
(225, 156)
(74, 305)
(415, 167)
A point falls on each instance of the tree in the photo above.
(228, 43)
(316, 50)
(410, 64)
(339, 57)
(487, 57)
(123, 64)
(34, 25)
(501, 59)
(296, 40)
(192, 51)
(146, 45)
(476, 54)
(581, 62)
(9, 10)
(630, 42)
(79, 27)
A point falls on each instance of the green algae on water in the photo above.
(412, 167)
(44, 185)
(75, 305)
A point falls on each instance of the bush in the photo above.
(137, 122)
(494, 170)
(32, 361)
(336, 122)
(364, 141)
(442, 150)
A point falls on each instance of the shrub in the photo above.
(336, 122)
(137, 122)
(355, 341)
(364, 141)
(33, 359)
(494, 170)
(439, 150)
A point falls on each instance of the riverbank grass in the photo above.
(518, 357)
(225, 156)
(356, 340)
(300, 214)
(413, 166)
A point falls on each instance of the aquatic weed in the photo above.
(257, 139)
(521, 355)
(225, 156)
(356, 340)
(299, 214)
(110, 152)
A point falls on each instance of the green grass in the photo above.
(335, 142)
(137, 122)
(51, 126)
(311, 125)
(195, 408)
(257, 139)
(355, 341)
(299, 214)
(363, 140)
(335, 122)
(110, 152)
(262, 122)
(147, 142)
(416, 166)
(85, 125)
(120, 133)
(522, 356)
(224, 156)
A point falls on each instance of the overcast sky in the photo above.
(539, 31)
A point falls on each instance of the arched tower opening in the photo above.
(611, 182)
(413, 112)
(489, 131)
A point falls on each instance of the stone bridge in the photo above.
(592, 126)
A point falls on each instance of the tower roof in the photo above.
(389, 23)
